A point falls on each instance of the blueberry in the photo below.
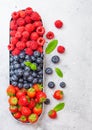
(20, 72)
(22, 55)
(26, 73)
(11, 67)
(27, 57)
(33, 58)
(20, 85)
(40, 72)
(22, 65)
(39, 60)
(30, 78)
(14, 83)
(11, 72)
(27, 68)
(25, 82)
(14, 78)
(38, 68)
(16, 58)
(42, 55)
(48, 70)
(16, 66)
(51, 84)
(47, 101)
(11, 59)
(40, 80)
(34, 74)
(15, 62)
(30, 85)
(35, 80)
(62, 84)
(26, 85)
(36, 54)
(21, 80)
(21, 60)
(55, 59)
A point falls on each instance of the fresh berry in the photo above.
(33, 118)
(28, 19)
(13, 25)
(31, 92)
(15, 15)
(41, 41)
(13, 108)
(33, 45)
(12, 33)
(37, 87)
(20, 22)
(18, 35)
(34, 36)
(23, 101)
(11, 47)
(13, 100)
(36, 54)
(25, 111)
(23, 119)
(50, 35)
(47, 101)
(25, 34)
(35, 16)
(22, 13)
(41, 96)
(37, 109)
(37, 23)
(55, 59)
(29, 27)
(29, 51)
(40, 30)
(21, 45)
(58, 24)
(40, 49)
(51, 84)
(32, 104)
(15, 52)
(21, 29)
(62, 84)
(58, 94)
(13, 40)
(48, 70)
(17, 115)
(61, 49)
(29, 11)
(52, 114)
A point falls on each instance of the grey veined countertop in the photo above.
(76, 63)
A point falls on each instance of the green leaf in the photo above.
(59, 72)
(59, 107)
(51, 46)
(32, 66)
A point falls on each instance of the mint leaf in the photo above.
(59, 72)
(59, 107)
(51, 46)
(32, 66)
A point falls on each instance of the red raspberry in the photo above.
(12, 33)
(11, 47)
(15, 15)
(40, 49)
(28, 44)
(16, 51)
(28, 11)
(21, 45)
(13, 40)
(50, 35)
(28, 51)
(29, 27)
(28, 19)
(22, 13)
(20, 22)
(58, 23)
(40, 30)
(33, 45)
(21, 29)
(24, 39)
(18, 35)
(34, 36)
(35, 16)
(41, 41)
(13, 25)
(25, 34)
(37, 24)
(60, 49)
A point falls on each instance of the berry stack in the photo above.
(25, 91)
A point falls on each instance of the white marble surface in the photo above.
(76, 63)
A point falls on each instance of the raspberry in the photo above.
(11, 47)
(12, 33)
(33, 45)
(28, 19)
(28, 43)
(25, 34)
(41, 41)
(13, 25)
(40, 30)
(21, 45)
(28, 11)
(37, 24)
(22, 13)
(40, 49)
(35, 16)
(60, 49)
(34, 36)
(13, 40)
(58, 23)
(18, 35)
(16, 51)
(21, 29)
(29, 51)
(50, 35)
(29, 27)
(15, 15)
(21, 22)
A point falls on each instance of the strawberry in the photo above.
(25, 111)
(11, 90)
(23, 119)
(33, 118)
(13, 100)
(13, 108)
(52, 114)
(23, 100)
(17, 115)
(41, 96)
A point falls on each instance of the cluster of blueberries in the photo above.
(23, 76)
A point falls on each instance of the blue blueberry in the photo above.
(11, 67)
(47, 101)
(33, 58)
(16, 66)
(39, 60)
(27, 57)
(34, 74)
(26, 74)
(11, 72)
(11, 59)
(35, 80)
(55, 59)
(39, 68)
(26, 85)
(62, 84)
(27, 68)
(25, 82)
(20, 85)
(40, 72)
(48, 70)
(16, 58)
(14, 78)
(14, 62)
(21, 80)
(19, 72)
(40, 80)
(30, 85)
(14, 83)
(21, 60)
(22, 55)
(22, 65)
(51, 84)
(36, 54)
(42, 55)
(30, 78)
